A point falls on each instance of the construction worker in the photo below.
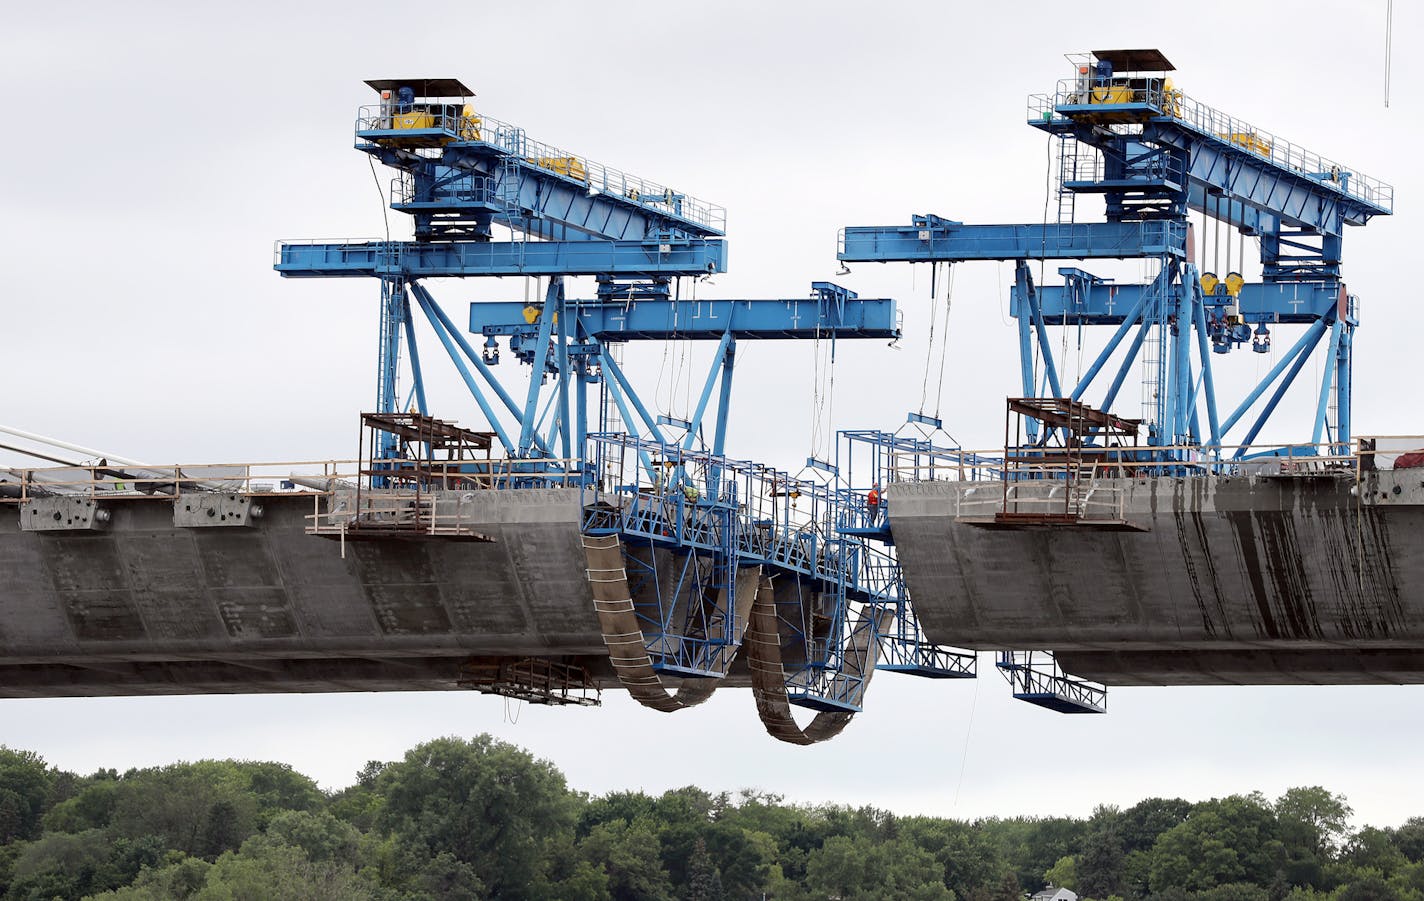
(872, 500)
(690, 492)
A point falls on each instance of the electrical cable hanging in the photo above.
(823, 368)
(385, 210)
(929, 345)
(1388, 46)
(944, 332)
(667, 346)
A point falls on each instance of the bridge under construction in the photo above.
(1132, 530)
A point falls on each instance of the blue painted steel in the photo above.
(393, 322)
(932, 239)
(1036, 677)
(1343, 375)
(377, 258)
(1301, 359)
(417, 375)
(463, 175)
(541, 356)
(1327, 381)
(443, 324)
(724, 400)
(1301, 348)
(1027, 294)
(611, 367)
(1203, 351)
(718, 359)
(1292, 304)
(510, 447)
(704, 320)
(487, 169)
(1128, 321)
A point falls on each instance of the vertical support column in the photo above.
(1344, 371)
(724, 399)
(393, 304)
(1024, 278)
(724, 406)
(541, 360)
(1021, 309)
(1204, 351)
(410, 344)
(581, 413)
(565, 426)
(1181, 372)
(1327, 379)
(718, 360)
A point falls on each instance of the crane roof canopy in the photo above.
(424, 87)
(1133, 60)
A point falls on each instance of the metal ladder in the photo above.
(1068, 147)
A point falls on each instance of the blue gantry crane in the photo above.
(676, 532)
(1157, 158)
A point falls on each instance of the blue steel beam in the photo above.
(694, 426)
(552, 303)
(1302, 198)
(412, 260)
(704, 320)
(1221, 166)
(535, 200)
(545, 182)
(1294, 303)
(932, 239)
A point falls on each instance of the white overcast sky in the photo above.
(153, 152)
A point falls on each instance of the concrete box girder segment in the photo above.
(412, 260)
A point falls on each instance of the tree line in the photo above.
(480, 818)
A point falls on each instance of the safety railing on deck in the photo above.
(443, 514)
(460, 125)
(167, 482)
(1165, 100)
(669, 495)
(947, 464)
(112, 480)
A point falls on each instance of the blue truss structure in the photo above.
(1125, 132)
(1155, 156)
(487, 200)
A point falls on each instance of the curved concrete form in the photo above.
(628, 647)
(773, 703)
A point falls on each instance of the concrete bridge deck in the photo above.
(144, 607)
(1232, 580)
(1254, 580)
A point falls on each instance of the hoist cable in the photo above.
(944, 341)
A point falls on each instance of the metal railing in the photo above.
(666, 494)
(168, 482)
(1165, 100)
(19, 484)
(280, 244)
(442, 514)
(467, 189)
(462, 126)
(948, 464)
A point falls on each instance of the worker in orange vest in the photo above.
(872, 500)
